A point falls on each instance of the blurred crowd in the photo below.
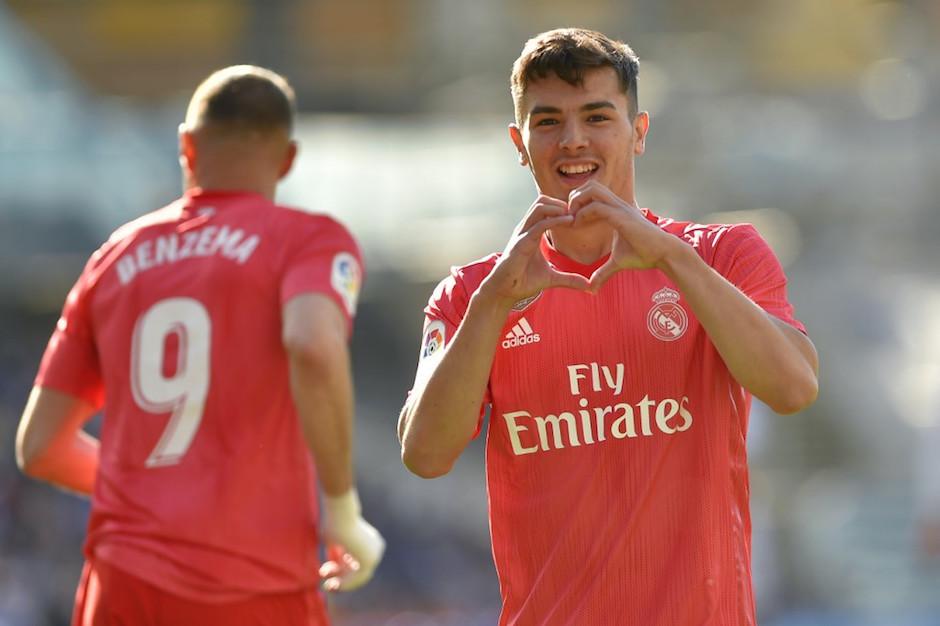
(817, 122)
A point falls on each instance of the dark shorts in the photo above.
(109, 596)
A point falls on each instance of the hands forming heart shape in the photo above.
(635, 243)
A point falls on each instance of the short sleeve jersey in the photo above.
(205, 486)
(616, 464)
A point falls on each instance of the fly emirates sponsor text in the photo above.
(589, 425)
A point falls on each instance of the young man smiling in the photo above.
(616, 462)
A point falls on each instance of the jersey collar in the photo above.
(566, 264)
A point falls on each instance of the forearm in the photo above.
(443, 411)
(51, 445)
(777, 364)
(323, 396)
(71, 463)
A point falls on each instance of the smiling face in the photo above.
(570, 134)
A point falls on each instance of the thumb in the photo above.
(569, 281)
(602, 274)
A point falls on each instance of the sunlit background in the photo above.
(816, 120)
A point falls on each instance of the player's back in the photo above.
(205, 487)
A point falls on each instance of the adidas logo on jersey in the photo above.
(521, 334)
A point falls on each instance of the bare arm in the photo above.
(314, 335)
(442, 412)
(441, 415)
(50, 442)
(769, 358)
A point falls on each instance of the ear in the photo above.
(516, 135)
(289, 157)
(641, 126)
(187, 150)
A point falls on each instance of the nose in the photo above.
(573, 138)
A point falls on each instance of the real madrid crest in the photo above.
(667, 320)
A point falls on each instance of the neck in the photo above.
(585, 244)
(588, 243)
(234, 181)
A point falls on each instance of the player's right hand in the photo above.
(522, 271)
(354, 547)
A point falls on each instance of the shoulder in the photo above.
(697, 234)
(710, 240)
(469, 276)
(168, 214)
(451, 297)
(126, 234)
(302, 224)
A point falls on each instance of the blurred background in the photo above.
(819, 122)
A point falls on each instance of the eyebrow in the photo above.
(590, 106)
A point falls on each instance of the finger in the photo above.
(526, 243)
(335, 574)
(618, 216)
(568, 281)
(585, 194)
(337, 561)
(547, 223)
(542, 209)
(329, 569)
(350, 563)
(595, 211)
(542, 204)
(545, 199)
(354, 574)
(353, 580)
(593, 191)
(602, 274)
(592, 212)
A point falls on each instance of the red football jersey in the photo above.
(206, 487)
(615, 460)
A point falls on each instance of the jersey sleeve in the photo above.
(328, 261)
(743, 257)
(444, 313)
(448, 305)
(70, 363)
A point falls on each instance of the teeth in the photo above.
(577, 169)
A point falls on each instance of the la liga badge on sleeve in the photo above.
(346, 279)
(433, 338)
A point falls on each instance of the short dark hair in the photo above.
(243, 98)
(569, 53)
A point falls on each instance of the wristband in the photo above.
(342, 511)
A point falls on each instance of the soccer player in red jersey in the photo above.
(616, 464)
(214, 333)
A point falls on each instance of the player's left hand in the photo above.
(354, 547)
(637, 243)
